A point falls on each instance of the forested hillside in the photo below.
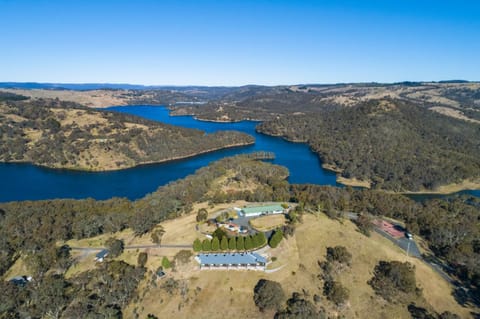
(393, 144)
(31, 230)
(63, 134)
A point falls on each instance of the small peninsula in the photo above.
(60, 134)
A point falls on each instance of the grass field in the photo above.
(269, 222)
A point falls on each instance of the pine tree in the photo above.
(248, 243)
(262, 240)
(232, 243)
(166, 263)
(206, 245)
(240, 243)
(276, 238)
(197, 245)
(215, 244)
(224, 244)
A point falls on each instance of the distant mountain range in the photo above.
(126, 86)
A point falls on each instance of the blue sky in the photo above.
(238, 42)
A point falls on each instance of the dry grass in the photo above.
(223, 294)
(265, 223)
(453, 113)
(94, 98)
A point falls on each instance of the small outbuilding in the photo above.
(21, 281)
(100, 256)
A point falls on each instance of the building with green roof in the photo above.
(262, 210)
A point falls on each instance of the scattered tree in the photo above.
(166, 263)
(268, 294)
(335, 292)
(202, 215)
(115, 247)
(390, 279)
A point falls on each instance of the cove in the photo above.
(30, 182)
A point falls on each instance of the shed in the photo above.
(100, 256)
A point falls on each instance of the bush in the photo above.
(298, 308)
(339, 254)
(392, 278)
(268, 294)
(197, 245)
(115, 247)
(166, 263)
(276, 238)
(335, 292)
(142, 259)
(183, 256)
(202, 215)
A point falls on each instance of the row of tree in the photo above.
(239, 243)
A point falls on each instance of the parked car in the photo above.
(408, 235)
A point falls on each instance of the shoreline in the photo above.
(447, 189)
(171, 159)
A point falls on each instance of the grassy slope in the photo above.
(221, 294)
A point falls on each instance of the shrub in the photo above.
(166, 263)
(197, 245)
(268, 294)
(142, 259)
(392, 278)
(298, 307)
(115, 247)
(183, 256)
(276, 238)
(339, 254)
(202, 215)
(335, 292)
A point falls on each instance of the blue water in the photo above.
(29, 182)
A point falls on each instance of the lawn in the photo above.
(269, 222)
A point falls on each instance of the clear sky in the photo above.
(238, 42)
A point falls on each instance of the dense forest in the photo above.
(63, 134)
(450, 227)
(393, 144)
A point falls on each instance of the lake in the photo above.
(30, 182)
